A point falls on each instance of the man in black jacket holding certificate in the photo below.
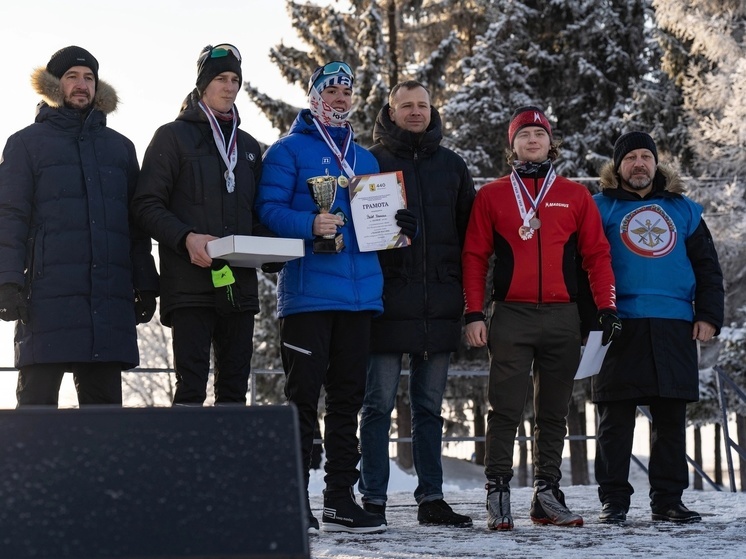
(423, 300)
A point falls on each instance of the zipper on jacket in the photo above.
(423, 233)
(540, 278)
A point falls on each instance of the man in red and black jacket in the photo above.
(535, 223)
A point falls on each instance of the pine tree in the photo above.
(385, 42)
(705, 54)
(584, 62)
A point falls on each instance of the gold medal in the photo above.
(535, 223)
(342, 181)
(525, 233)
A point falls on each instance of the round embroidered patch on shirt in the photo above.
(648, 231)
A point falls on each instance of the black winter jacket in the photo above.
(67, 238)
(182, 190)
(422, 294)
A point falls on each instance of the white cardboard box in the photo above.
(251, 252)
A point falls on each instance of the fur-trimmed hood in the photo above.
(666, 178)
(48, 86)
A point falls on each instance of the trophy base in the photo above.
(322, 245)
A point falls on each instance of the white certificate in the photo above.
(593, 356)
(374, 200)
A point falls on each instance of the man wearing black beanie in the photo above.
(670, 297)
(74, 271)
(199, 178)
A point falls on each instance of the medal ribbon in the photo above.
(519, 187)
(230, 156)
(340, 156)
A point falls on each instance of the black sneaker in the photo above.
(612, 513)
(548, 506)
(676, 512)
(376, 509)
(343, 514)
(313, 525)
(440, 514)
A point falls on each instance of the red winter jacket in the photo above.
(542, 269)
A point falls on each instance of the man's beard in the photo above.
(640, 183)
(76, 105)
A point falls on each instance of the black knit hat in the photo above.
(632, 141)
(66, 58)
(213, 61)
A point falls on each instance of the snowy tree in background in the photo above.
(385, 42)
(584, 62)
(269, 387)
(705, 53)
(154, 388)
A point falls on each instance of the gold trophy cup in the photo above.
(324, 192)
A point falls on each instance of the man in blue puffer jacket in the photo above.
(325, 301)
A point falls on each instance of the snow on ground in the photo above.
(721, 534)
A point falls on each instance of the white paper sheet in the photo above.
(593, 356)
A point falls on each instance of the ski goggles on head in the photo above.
(220, 51)
(330, 69)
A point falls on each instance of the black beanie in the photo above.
(632, 141)
(66, 58)
(209, 67)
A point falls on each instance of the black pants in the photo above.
(328, 349)
(195, 330)
(526, 338)
(95, 383)
(667, 469)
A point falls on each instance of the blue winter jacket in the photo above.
(348, 281)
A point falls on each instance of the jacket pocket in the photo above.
(35, 254)
(449, 273)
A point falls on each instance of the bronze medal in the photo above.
(525, 233)
(535, 223)
(342, 181)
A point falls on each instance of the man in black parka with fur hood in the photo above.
(670, 298)
(74, 271)
(422, 297)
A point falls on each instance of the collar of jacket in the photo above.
(191, 112)
(48, 86)
(666, 179)
(403, 142)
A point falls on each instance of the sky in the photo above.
(147, 50)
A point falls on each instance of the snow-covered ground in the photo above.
(721, 534)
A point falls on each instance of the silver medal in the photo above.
(230, 181)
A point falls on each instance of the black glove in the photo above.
(407, 221)
(610, 325)
(144, 306)
(13, 304)
(272, 267)
(226, 289)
